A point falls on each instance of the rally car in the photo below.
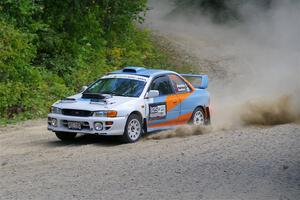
(130, 102)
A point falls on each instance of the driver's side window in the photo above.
(163, 85)
(179, 85)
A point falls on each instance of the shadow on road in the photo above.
(87, 139)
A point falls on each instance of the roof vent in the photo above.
(131, 69)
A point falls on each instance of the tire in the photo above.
(198, 118)
(65, 136)
(133, 129)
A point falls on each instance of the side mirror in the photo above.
(83, 88)
(152, 93)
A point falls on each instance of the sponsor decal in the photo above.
(126, 76)
(157, 111)
(181, 87)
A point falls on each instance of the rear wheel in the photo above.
(133, 129)
(198, 117)
(65, 136)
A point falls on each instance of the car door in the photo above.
(163, 109)
(187, 101)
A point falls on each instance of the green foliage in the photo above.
(23, 87)
(49, 49)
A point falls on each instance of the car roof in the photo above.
(141, 71)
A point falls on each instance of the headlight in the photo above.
(55, 110)
(105, 113)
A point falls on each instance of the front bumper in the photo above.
(117, 128)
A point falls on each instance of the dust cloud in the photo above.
(269, 112)
(253, 63)
(182, 131)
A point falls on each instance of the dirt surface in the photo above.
(248, 163)
(232, 160)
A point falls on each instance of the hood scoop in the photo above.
(95, 96)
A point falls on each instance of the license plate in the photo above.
(74, 125)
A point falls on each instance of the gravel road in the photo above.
(248, 163)
(252, 162)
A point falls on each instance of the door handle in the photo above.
(175, 102)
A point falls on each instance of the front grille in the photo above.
(79, 113)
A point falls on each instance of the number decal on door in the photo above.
(157, 111)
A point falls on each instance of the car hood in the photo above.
(78, 103)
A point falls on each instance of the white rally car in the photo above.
(130, 102)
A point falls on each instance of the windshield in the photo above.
(118, 87)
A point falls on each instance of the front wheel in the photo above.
(198, 117)
(133, 129)
(65, 136)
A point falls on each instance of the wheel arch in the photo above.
(206, 111)
(144, 121)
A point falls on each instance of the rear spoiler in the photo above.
(198, 81)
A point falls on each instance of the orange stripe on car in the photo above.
(182, 119)
(175, 99)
